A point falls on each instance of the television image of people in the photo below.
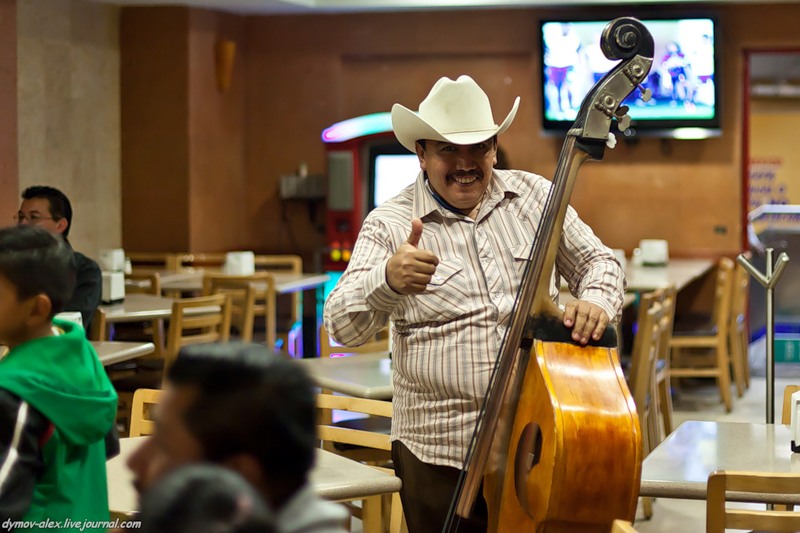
(682, 77)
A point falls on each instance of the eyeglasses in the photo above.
(33, 219)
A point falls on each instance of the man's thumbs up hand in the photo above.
(416, 233)
(410, 269)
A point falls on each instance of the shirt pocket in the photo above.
(445, 298)
(520, 255)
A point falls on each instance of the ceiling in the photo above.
(343, 6)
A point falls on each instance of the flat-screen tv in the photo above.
(684, 78)
(392, 168)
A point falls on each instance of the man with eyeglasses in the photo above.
(50, 209)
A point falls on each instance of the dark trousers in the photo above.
(427, 494)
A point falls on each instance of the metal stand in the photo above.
(768, 281)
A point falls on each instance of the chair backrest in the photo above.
(723, 292)
(786, 414)
(645, 352)
(719, 517)
(197, 320)
(621, 526)
(326, 346)
(153, 260)
(283, 263)
(667, 298)
(143, 283)
(249, 295)
(142, 423)
(356, 437)
(212, 260)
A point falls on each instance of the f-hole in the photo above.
(529, 451)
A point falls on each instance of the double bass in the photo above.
(558, 445)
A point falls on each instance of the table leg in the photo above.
(310, 323)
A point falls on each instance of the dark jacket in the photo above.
(88, 289)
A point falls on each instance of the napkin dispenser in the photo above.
(113, 287)
(654, 252)
(794, 405)
(239, 264)
(112, 260)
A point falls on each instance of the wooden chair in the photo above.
(786, 414)
(211, 261)
(714, 336)
(269, 311)
(245, 298)
(143, 283)
(212, 324)
(380, 343)
(737, 330)
(666, 297)
(719, 516)
(287, 324)
(142, 423)
(153, 260)
(140, 283)
(329, 433)
(621, 526)
(643, 375)
(197, 327)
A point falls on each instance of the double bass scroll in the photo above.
(558, 444)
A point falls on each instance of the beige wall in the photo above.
(69, 111)
(8, 110)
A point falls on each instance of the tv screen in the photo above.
(684, 77)
(392, 169)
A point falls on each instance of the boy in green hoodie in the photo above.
(56, 402)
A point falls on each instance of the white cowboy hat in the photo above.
(454, 111)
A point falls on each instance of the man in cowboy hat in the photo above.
(449, 286)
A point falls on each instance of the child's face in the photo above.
(13, 313)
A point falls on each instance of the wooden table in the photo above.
(110, 352)
(136, 308)
(679, 467)
(285, 282)
(367, 375)
(678, 272)
(333, 477)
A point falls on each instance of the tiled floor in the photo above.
(701, 402)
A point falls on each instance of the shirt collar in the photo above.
(425, 204)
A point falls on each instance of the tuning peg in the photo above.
(622, 117)
(646, 93)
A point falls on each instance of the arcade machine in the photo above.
(366, 166)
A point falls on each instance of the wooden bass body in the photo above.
(574, 462)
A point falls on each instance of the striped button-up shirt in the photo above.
(447, 338)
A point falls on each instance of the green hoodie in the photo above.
(62, 378)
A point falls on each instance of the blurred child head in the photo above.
(37, 276)
(203, 498)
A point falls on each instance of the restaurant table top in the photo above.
(333, 477)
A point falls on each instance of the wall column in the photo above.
(9, 176)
